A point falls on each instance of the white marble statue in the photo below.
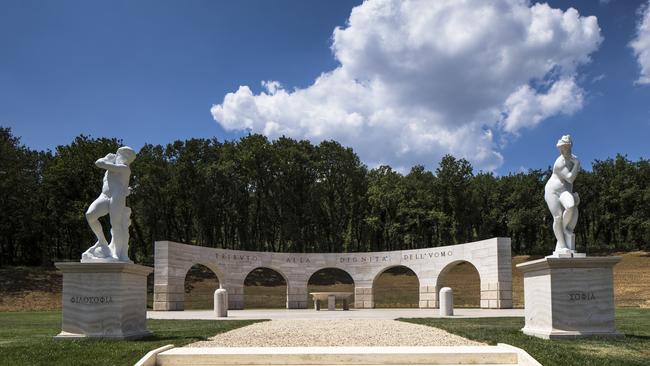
(112, 201)
(561, 199)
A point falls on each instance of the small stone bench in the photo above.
(331, 298)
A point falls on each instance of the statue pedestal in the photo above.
(104, 300)
(569, 297)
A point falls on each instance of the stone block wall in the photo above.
(297, 297)
(428, 297)
(363, 298)
(496, 295)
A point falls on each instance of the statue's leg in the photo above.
(556, 209)
(571, 226)
(126, 222)
(569, 217)
(574, 216)
(97, 209)
(117, 211)
(558, 230)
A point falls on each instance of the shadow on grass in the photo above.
(633, 349)
(637, 337)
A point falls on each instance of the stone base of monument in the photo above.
(104, 300)
(569, 297)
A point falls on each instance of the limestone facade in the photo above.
(491, 258)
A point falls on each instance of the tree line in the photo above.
(294, 196)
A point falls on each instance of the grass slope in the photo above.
(631, 350)
(26, 339)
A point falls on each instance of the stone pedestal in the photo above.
(104, 300)
(569, 297)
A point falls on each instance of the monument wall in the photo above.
(491, 258)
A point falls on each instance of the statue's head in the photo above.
(564, 144)
(125, 155)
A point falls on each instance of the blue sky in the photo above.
(150, 71)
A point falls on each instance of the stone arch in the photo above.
(331, 287)
(199, 293)
(384, 269)
(461, 285)
(379, 296)
(215, 269)
(329, 268)
(268, 294)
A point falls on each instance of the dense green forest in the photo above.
(293, 196)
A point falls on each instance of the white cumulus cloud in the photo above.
(641, 44)
(419, 79)
(526, 107)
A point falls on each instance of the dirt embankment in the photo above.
(30, 288)
(35, 288)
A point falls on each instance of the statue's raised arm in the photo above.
(560, 198)
(109, 162)
(567, 169)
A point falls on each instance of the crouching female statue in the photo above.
(561, 199)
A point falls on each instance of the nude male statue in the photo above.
(561, 199)
(112, 201)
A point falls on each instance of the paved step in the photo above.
(457, 355)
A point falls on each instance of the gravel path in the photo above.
(303, 333)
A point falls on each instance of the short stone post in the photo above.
(221, 303)
(331, 302)
(446, 301)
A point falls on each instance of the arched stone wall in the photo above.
(492, 259)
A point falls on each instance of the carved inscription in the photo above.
(346, 259)
(91, 299)
(298, 260)
(428, 255)
(581, 296)
(237, 257)
(368, 259)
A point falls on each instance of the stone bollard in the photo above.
(221, 303)
(446, 298)
(331, 302)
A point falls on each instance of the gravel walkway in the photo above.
(305, 333)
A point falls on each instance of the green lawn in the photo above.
(26, 339)
(633, 349)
